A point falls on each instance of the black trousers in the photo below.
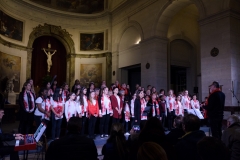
(170, 117)
(9, 150)
(126, 126)
(104, 123)
(163, 116)
(216, 127)
(91, 126)
(115, 120)
(84, 119)
(38, 120)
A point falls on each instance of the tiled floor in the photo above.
(34, 155)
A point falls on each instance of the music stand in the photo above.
(235, 98)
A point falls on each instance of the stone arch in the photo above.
(134, 24)
(169, 10)
(63, 36)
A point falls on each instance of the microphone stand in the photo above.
(236, 99)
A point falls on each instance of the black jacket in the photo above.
(5, 137)
(215, 107)
(186, 148)
(137, 110)
(73, 147)
(231, 138)
(174, 135)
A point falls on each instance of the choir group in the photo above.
(110, 105)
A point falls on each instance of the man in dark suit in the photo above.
(8, 150)
(215, 106)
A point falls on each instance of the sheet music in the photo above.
(39, 132)
(17, 143)
(196, 112)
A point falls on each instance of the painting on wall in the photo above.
(11, 27)
(76, 6)
(10, 67)
(90, 73)
(91, 42)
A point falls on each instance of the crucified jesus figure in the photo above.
(49, 58)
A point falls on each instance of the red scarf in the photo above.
(143, 105)
(59, 107)
(64, 95)
(47, 107)
(25, 101)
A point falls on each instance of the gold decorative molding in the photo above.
(56, 31)
(13, 45)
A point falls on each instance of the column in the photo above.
(222, 32)
(154, 52)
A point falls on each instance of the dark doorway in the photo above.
(39, 61)
(178, 79)
(134, 76)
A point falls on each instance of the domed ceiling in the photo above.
(76, 6)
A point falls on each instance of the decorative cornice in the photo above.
(162, 39)
(38, 30)
(106, 54)
(13, 45)
(218, 16)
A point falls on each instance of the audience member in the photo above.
(151, 151)
(186, 148)
(116, 147)
(210, 148)
(176, 133)
(72, 146)
(231, 136)
(153, 131)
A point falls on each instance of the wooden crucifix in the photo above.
(49, 55)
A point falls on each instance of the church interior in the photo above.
(170, 44)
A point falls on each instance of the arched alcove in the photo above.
(169, 11)
(39, 67)
(129, 38)
(64, 37)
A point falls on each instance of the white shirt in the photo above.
(132, 107)
(85, 103)
(37, 101)
(71, 109)
(55, 105)
(118, 100)
(185, 102)
(170, 102)
(195, 104)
